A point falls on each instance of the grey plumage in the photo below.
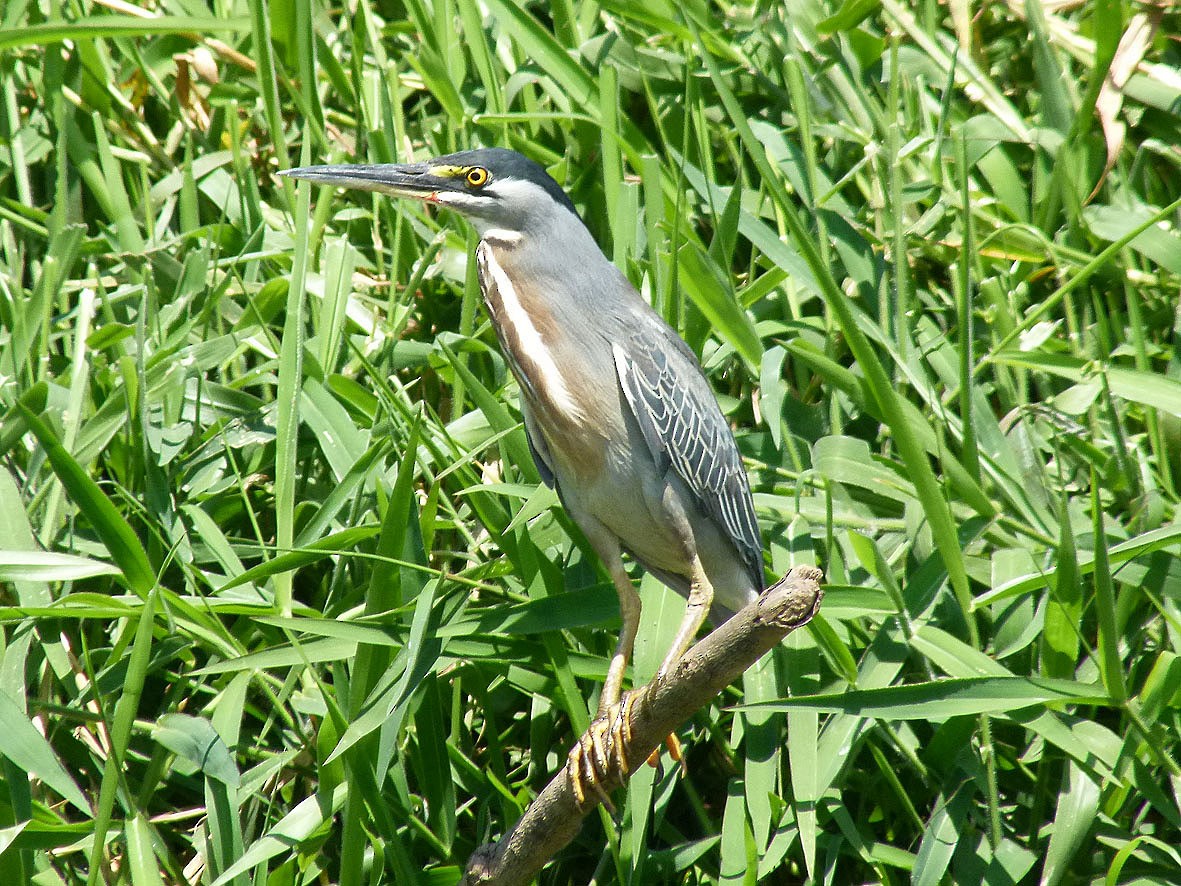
(686, 430)
(619, 417)
(634, 372)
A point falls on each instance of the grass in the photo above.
(283, 599)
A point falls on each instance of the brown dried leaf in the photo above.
(1128, 55)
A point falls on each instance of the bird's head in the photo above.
(498, 189)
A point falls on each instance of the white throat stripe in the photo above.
(546, 378)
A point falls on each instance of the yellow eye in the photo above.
(477, 176)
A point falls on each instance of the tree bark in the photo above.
(554, 818)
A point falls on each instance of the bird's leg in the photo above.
(629, 611)
(602, 752)
(701, 597)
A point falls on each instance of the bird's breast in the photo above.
(562, 389)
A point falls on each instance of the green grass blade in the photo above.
(108, 522)
(946, 698)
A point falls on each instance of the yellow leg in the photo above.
(701, 597)
(629, 611)
(601, 754)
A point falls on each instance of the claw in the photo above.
(599, 745)
(621, 731)
(580, 769)
(674, 750)
(600, 756)
(573, 767)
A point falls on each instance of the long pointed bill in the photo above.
(413, 180)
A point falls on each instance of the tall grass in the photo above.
(284, 600)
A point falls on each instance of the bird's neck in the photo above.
(501, 238)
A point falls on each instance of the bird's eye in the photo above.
(477, 176)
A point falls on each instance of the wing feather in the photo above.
(538, 448)
(685, 430)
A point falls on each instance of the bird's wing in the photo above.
(537, 447)
(685, 430)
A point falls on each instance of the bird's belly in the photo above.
(653, 517)
(623, 502)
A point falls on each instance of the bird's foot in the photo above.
(675, 750)
(598, 763)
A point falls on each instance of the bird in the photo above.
(618, 414)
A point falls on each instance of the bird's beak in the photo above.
(413, 180)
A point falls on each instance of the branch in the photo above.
(554, 818)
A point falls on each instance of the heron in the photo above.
(619, 416)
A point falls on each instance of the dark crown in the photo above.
(503, 163)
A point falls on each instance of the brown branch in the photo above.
(554, 818)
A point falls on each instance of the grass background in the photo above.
(283, 602)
